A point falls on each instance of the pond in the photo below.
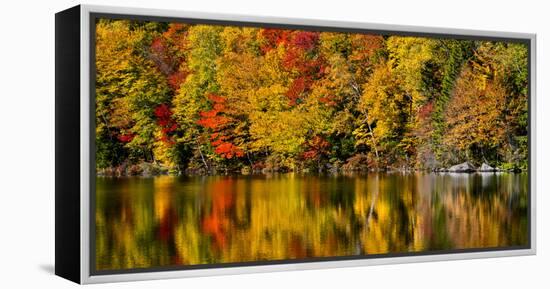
(167, 221)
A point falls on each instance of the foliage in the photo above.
(206, 98)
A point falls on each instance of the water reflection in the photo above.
(162, 221)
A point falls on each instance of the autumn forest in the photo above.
(175, 98)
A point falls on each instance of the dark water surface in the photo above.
(164, 221)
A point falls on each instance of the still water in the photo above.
(165, 221)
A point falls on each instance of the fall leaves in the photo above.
(196, 97)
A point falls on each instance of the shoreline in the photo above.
(166, 172)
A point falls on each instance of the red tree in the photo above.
(301, 59)
(165, 121)
(220, 124)
(316, 148)
(273, 38)
(166, 52)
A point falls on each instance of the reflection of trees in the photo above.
(483, 210)
(391, 218)
(168, 221)
(216, 223)
(123, 225)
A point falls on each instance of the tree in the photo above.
(473, 119)
(455, 53)
(316, 149)
(128, 89)
(408, 56)
(385, 117)
(220, 125)
(486, 115)
(204, 98)
(203, 47)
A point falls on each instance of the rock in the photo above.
(246, 170)
(464, 167)
(486, 168)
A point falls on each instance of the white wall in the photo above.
(27, 143)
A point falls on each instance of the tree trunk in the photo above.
(375, 145)
(249, 160)
(202, 158)
(153, 157)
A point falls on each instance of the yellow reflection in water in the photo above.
(164, 221)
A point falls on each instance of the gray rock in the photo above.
(486, 168)
(464, 167)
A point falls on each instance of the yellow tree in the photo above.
(128, 88)
(407, 57)
(386, 110)
(203, 47)
(486, 115)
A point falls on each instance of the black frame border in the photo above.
(68, 226)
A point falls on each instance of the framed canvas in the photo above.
(195, 144)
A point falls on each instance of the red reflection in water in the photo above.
(217, 222)
(167, 225)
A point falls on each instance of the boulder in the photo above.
(246, 170)
(464, 167)
(486, 168)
